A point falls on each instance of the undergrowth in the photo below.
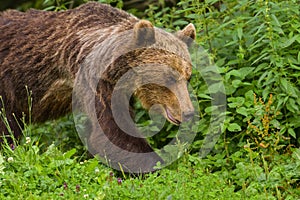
(255, 46)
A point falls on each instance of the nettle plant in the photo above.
(259, 51)
(255, 45)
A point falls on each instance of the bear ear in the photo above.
(188, 34)
(144, 34)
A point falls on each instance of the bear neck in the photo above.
(110, 128)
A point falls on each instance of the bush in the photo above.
(256, 48)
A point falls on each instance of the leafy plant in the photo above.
(256, 49)
(255, 46)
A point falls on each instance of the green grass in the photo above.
(33, 170)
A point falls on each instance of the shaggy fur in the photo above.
(45, 50)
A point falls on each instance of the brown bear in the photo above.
(53, 52)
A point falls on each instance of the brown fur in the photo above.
(44, 50)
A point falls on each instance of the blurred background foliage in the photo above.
(139, 5)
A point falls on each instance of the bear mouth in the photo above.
(170, 117)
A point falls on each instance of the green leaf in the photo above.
(295, 66)
(249, 95)
(292, 133)
(220, 62)
(291, 105)
(192, 16)
(236, 101)
(240, 32)
(216, 87)
(180, 23)
(204, 96)
(284, 83)
(2, 167)
(70, 153)
(139, 115)
(211, 109)
(245, 71)
(275, 20)
(275, 123)
(288, 87)
(233, 62)
(242, 111)
(296, 154)
(154, 129)
(298, 38)
(288, 42)
(236, 83)
(234, 127)
(92, 165)
(232, 73)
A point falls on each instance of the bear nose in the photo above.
(188, 115)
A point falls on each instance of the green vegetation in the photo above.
(256, 47)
